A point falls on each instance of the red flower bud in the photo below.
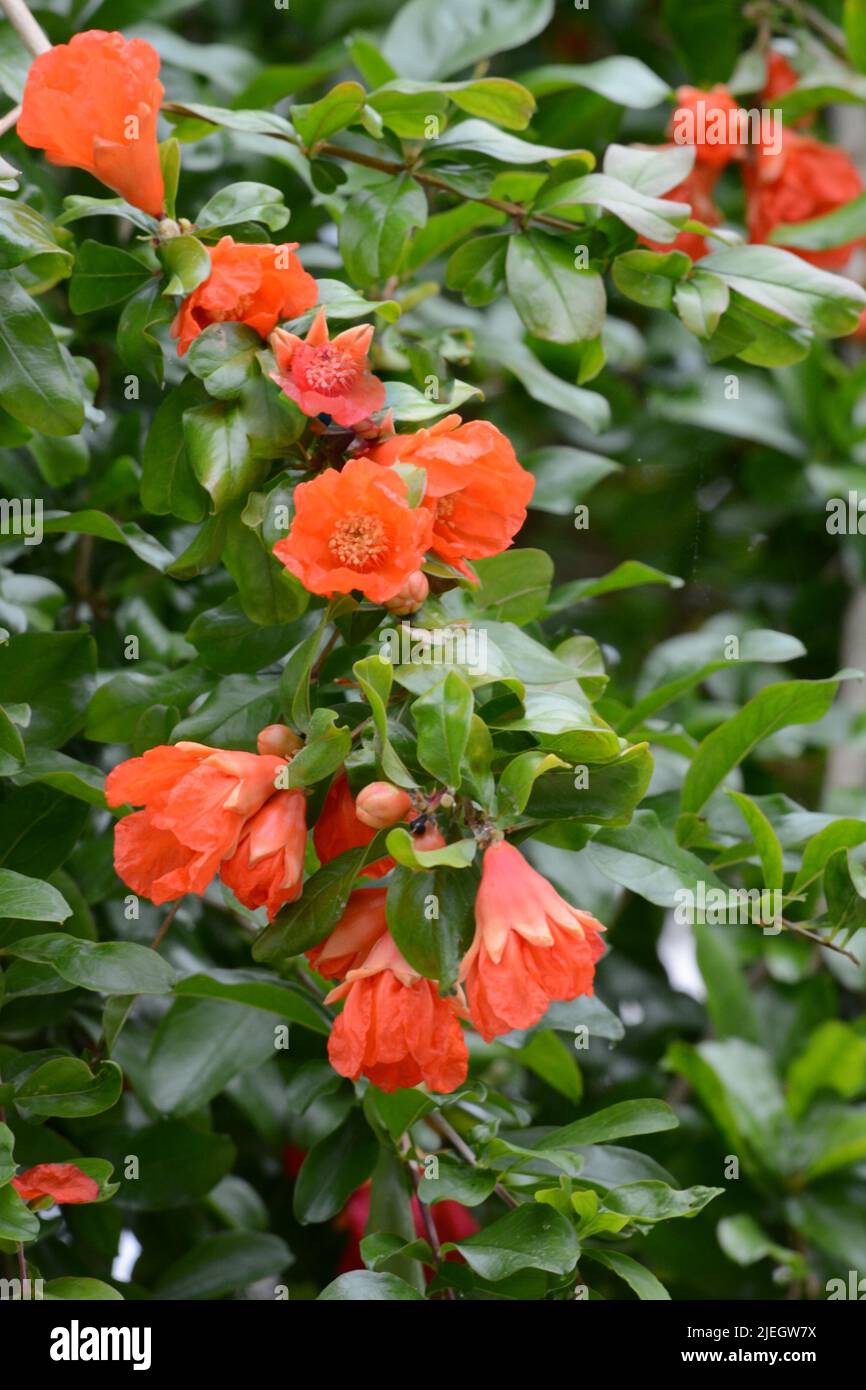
(382, 805)
(411, 596)
(279, 741)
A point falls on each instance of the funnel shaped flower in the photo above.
(62, 1182)
(338, 829)
(93, 104)
(355, 935)
(355, 530)
(805, 179)
(327, 376)
(267, 868)
(476, 492)
(253, 284)
(196, 802)
(395, 1027)
(530, 946)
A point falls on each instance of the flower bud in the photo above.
(278, 741)
(411, 596)
(381, 805)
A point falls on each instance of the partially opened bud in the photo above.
(411, 596)
(381, 805)
(279, 741)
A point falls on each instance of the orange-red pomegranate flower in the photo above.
(326, 376)
(477, 492)
(267, 868)
(253, 284)
(93, 104)
(355, 530)
(781, 78)
(355, 935)
(62, 1182)
(197, 802)
(805, 179)
(706, 120)
(395, 1027)
(338, 829)
(530, 946)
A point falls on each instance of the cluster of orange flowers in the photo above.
(800, 179)
(207, 811)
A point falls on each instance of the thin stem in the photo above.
(161, 934)
(28, 29)
(820, 23)
(22, 1265)
(796, 930)
(447, 1131)
(10, 119)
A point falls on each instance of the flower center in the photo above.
(445, 508)
(358, 541)
(330, 370)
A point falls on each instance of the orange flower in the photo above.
(703, 119)
(338, 829)
(62, 1182)
(93, 104)
(781, 77)
(328, 377)
(530, 946)
(395, 1027)
(696, 190)
(805, 179)
(477, 491)
(253, 284)
(197, 803)
(354, 936)
(355, 530)
(267, 868)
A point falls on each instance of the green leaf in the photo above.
(737, 1084)
(422, 44)
(307, 922)
(514, 585)
(224, 358)
(52, 672)
(29, 900)
(621, 79)
(477, 268)
(94, 523)
(221, 1264)
(657, 219)
(854, 17)
(405, 104)
(708, 33)
(66, 1087)
(443, 716)
(219, 452)
(729, 1000)
(17, 1221)
(104, 275)
(178, 1162)
(651, 278)
(632, 1272)
(629, 575)
(555, 300)
(258, 991)
(201, 1044)
(620, 1121)
(773, 708)
(845, 891)
(327, 747)
(108, 967)
(78, 1288)
(701, 301)
(607, 794)
(186, 262)
(137, 347)
(480, 137)
(458, 855)
(431, 916)
(840, 834)
(334, 1168)
(837, 228)
(834, 1060)
(168, 483)
(647, 859)
(409, 404)
(519, 777)
(366, 1286)
(27, 238)
(765, 838)
(530, 1237)
(826, 304)
(376, 227)
(376, 677)
(338, 108)
(554, 1062)
(37, 384)
(243, 202)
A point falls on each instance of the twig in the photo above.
(28, 29)
(820, 23)
(10, 119)
(22, 1266)
(447, 1131)
(818, 940)
(161, 934)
